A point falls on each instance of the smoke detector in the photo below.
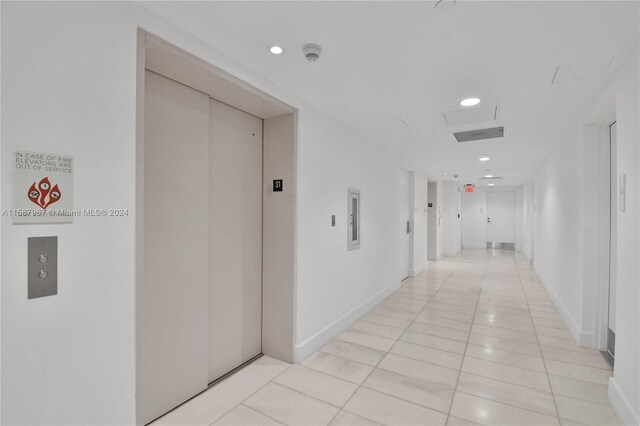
(444, 4)
(311, 52)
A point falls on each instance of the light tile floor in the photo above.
(474, 340)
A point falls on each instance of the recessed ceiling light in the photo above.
(444, 174)
(276, 50)
(470, 101)
(484, 158)
(491, 184)
(488, 176)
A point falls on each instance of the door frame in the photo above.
(279, 237)
(433, 219)
(603, 232)
(410, 204)
(532, 221)
(613, 208)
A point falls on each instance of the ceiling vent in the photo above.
(467, 116)
(491, 178)
(476, 135)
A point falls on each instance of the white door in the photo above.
(532, 225)
(235, 297)
(172, 332)
(611, 332)
(501, 217)
(432, 221)
(405, 225)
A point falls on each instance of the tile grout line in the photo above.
(508, 383)
(377, 364)
(387, 352)
(507, 365)
(506, 404)
(360, 384)
(441, 337)
(419, 360)
(455, 388)
(253, 393)
(250, 408)
(429, 301)
(539, 347)
(282, 372)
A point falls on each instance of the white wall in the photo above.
(625, 386)
(325, 267)
(419, 235)
(528, 218)
(69, 86)
(568, 209)
(451, 223)
(558, 248)
(519, 218)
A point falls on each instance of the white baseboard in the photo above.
(587, 339)
(584, 338)
(621, 405)
(576, 332)
(309, 346)
(420, 269)
(475, 246)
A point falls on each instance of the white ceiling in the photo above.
(389, 69)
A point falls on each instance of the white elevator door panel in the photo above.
(501, 214)
(235, 297)
(173, 318)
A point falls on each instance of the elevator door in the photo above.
(172, 358)
(235, 296)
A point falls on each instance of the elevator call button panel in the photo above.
(42, 267)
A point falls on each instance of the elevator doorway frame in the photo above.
(610, 338)
(278, 209)
(600, 131)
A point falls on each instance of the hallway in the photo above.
(236, 192)
(473, 340)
